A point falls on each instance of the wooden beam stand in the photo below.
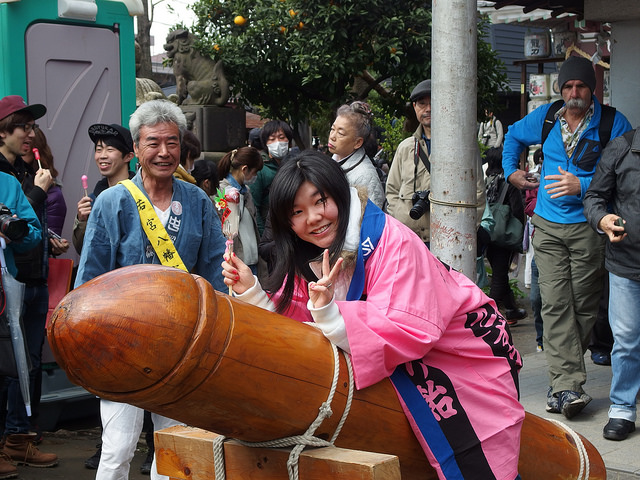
(186, 453)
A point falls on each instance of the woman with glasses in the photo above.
(347, 136)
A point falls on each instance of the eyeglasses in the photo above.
(27, 127)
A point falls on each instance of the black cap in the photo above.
(122, 135)
(421, 90)
(577, 68)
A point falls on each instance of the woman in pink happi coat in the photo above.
(376, 291)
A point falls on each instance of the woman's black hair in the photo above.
(293, 254)
(493, 157)
(206, 170)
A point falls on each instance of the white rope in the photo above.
(582, 451)
(299, 442)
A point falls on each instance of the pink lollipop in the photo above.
(36, 155)
(85, 185)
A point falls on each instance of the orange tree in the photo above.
(298, 59)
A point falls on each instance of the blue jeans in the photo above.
(624, 304)
(536, 301)
(34, 317)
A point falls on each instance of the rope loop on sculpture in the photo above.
(584, 472)
(298, 442)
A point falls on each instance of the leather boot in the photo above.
(7, 469)
(20, 447)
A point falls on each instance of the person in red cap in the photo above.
(17, 131)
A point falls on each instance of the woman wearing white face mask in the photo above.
(346, 142)
(239, 168)
(276, 136)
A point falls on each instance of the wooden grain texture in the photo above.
(165, 341)
(548, 451)
(186, 453)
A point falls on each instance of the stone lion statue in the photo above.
(146, 88)
(199, 80)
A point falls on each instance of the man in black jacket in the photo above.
(617, 182)
(17, 127)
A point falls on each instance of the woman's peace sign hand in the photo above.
(321, 292)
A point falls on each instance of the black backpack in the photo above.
(604, 131)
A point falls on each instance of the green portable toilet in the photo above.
(77, 58)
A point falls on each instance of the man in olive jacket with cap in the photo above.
(410, 172)
(568, 253)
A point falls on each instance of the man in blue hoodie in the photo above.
(569, 254)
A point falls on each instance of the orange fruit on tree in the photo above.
(240, 20)
(292, 13)
(393, 50)
(282, 29)
(299, 26)
(216, 47)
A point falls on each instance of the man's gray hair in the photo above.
(154, 112)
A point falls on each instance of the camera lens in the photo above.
(15, 229)
(419, 209)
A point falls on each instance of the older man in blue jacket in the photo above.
(117, 236)
(569, 254)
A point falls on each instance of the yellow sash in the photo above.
(156, 233)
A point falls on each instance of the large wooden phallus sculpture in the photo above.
(165, 341)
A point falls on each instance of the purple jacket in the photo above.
(56, 209)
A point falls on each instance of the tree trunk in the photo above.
(143, 64)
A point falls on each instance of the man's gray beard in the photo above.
(577, 103)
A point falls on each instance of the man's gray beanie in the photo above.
(421, 90)
(577, 68)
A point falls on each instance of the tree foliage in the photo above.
(298, 57)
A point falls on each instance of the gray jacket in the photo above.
(615, 188)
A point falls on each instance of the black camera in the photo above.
(421, 203)
(15, 229)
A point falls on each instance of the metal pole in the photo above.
(454, 146)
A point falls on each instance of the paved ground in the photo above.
(621, 458)
(75, 441)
